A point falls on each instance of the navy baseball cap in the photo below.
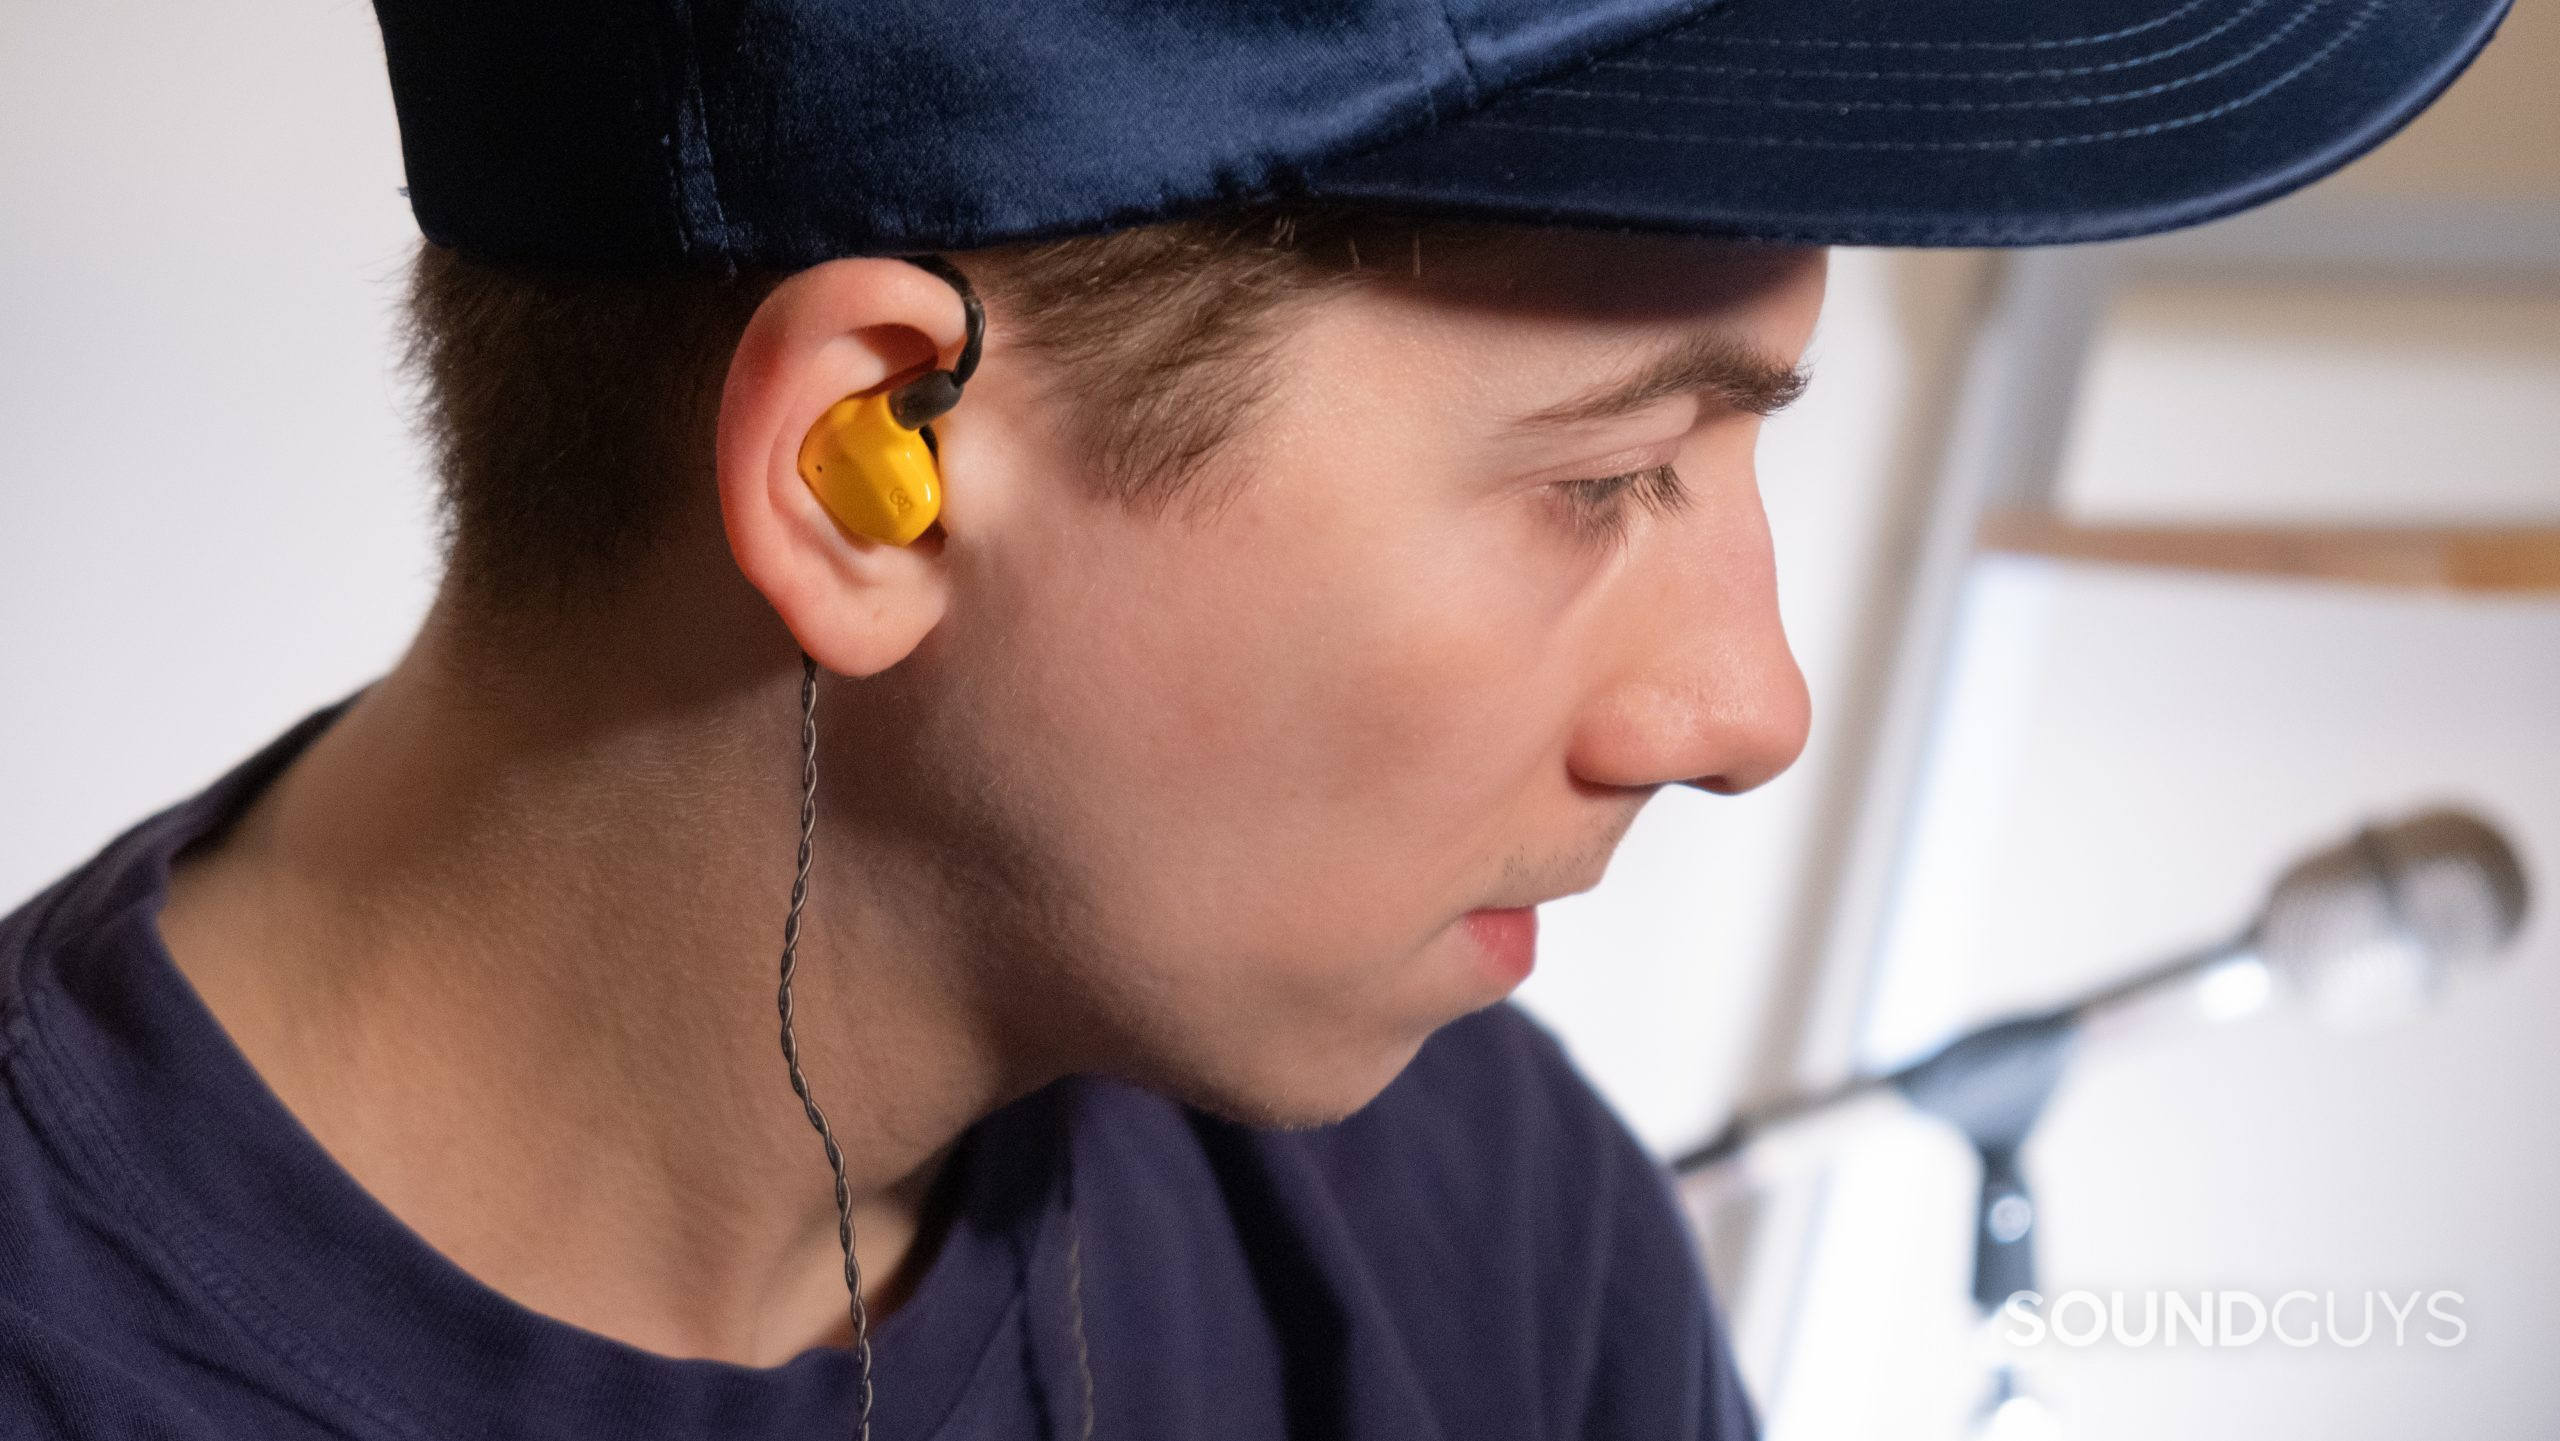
(722, 134)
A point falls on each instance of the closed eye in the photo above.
(1602, 509)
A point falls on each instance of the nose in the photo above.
(1698, 685)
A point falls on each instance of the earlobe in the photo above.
(856, 603)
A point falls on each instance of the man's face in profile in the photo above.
(1222, 786)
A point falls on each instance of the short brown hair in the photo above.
(567, 412)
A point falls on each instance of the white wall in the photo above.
(2302, 404)
(211, 519)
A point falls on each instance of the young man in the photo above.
(1329, 563)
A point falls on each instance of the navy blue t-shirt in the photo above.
(1482, 1253)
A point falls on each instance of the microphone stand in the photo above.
(1991, 1084)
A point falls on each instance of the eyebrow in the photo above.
(1732, 371)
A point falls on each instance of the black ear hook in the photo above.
(922, 401)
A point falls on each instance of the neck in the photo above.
(505, 942)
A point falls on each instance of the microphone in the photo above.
(2363, 932)
(2372, 930)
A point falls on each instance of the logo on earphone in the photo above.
(899, 502)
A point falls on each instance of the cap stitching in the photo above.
(1466, 62)
(695, 170)
(1789, 142)
(2063, 42)
(648, 74)
(2058, 72)
(2228, 63)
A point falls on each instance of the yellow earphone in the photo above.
(871, 458)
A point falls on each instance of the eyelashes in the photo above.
(1603, 510)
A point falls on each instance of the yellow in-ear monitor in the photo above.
(871, 458)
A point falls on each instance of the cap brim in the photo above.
(1939, 122)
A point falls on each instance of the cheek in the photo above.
(1280, 725)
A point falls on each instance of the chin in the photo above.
(1288, 1088)
(1297, 1050)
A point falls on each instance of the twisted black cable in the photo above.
(791, 1047)
(1075, 1286)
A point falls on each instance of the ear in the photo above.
(856, 605)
